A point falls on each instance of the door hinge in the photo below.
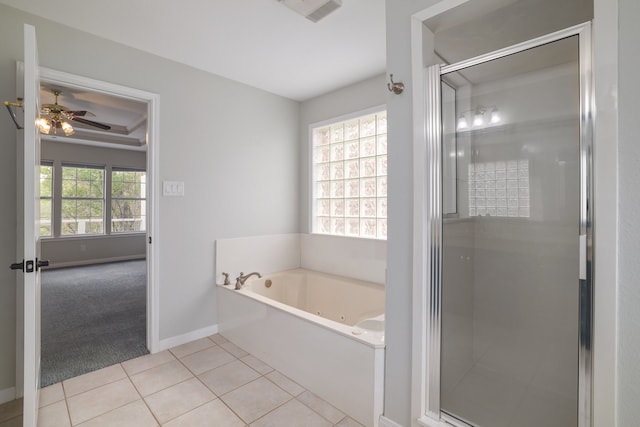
(149, 239)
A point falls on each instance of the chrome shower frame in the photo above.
(433, 222)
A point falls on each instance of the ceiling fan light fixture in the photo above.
(43, 126)
(67, 128)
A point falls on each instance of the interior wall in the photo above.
(236, 148)
(629, 231)
(78, 250)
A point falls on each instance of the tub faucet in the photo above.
(242, 278)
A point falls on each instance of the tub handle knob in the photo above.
(226, 278)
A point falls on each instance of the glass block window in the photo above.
(46, 199)
(128, 201)
(499, 188)
(350, 177)
(82, 200)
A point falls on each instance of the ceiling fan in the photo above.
(58, 116)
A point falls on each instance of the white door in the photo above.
(28, 251)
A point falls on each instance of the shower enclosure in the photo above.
(509, 146)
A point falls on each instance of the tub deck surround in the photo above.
(339, 357)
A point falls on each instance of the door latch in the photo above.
(25, 266)
(18, 266)
(29, 266)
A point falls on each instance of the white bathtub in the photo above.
(324, 332)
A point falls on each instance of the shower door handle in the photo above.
(583, 256)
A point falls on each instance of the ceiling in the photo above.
(127, 118)
(260, 43)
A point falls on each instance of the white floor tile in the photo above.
(52, 394)
(214, 413)
(206, 360)
(234, 349)
(158, 378)
(148, 361)
(77, 385)
(348, 422)
(320, 406)
(135, 414)
(54, 415)
(218, 339)
(98, 401)
(285, 383)
(191, 347)
(257, 364)
(178, 399)
(253, 400)
(228, 377)
(292, 414)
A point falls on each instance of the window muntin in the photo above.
(350, 177)
(128, 201)
(82, 200)
(46, 199)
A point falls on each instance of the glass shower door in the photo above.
(511, 186)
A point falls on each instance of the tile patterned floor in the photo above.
(207, 382)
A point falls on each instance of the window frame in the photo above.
(111, 198)
(77, 165)
(51, 198)
(312, 190)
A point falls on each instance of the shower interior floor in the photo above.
(515, 384)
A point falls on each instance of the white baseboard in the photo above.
(386, 422)
(7, 395)
(92, 261)
(168, 343)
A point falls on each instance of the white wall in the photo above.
(61, 251)
(629, 229)
(398, 320)
(235, 147)
(362, 259)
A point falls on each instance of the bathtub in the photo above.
(324, 332)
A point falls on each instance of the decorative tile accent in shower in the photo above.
(499, 188)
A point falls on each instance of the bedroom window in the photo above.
(82, 200)
(46, 198)
(128, 200)
(349, 176)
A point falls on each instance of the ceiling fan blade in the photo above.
(79, 113)
(91, 123)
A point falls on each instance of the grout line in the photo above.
(110, 410)
(141, 397)
(66, 396)
(147, 355)
(274, 409)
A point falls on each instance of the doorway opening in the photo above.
(98, 216)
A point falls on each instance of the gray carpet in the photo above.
(92, 317)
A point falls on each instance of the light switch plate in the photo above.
(173, 188)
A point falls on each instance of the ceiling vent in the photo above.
(314, 10)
